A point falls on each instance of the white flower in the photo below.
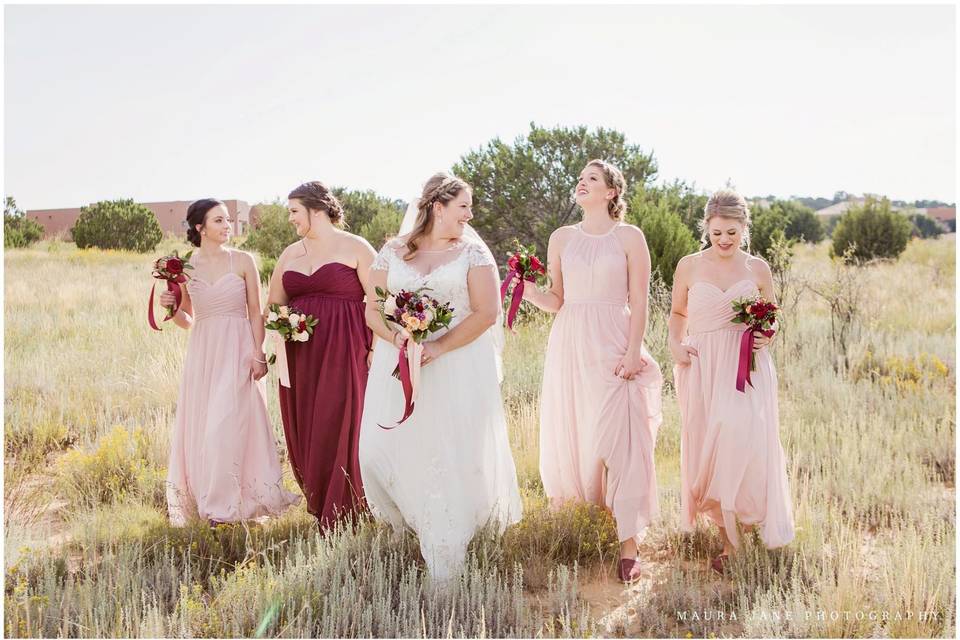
(284, 311)
(390, 305)
(294, 319)
(302, 336)
(427, 318)
(272, 317)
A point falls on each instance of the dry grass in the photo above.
(89, 400)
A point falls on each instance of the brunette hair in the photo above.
(197, 214)
(315, 196)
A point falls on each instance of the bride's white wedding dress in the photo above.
(447, 471)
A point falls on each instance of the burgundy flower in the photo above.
(174, 266)
(536, 265)
(513, 262)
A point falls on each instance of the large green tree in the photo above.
(682, 199)
(18, 229)
(369, 214)
(803, 224)
(524, 190)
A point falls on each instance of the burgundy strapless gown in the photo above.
(321, 409)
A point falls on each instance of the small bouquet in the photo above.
(759, 315)
(172, 269)
(524, 263)
(418, 315)
(292, 324)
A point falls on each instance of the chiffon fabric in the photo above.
(732, 465)
(223, 463)
(597, 430)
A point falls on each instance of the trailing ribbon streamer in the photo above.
(517, 296)
(746, 364)
(409, 367)
(173, 288)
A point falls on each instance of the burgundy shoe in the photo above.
(719, 564)
(629, 571)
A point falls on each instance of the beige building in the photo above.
(172, 217)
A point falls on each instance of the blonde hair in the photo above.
(614, 180)
(726, 203)
(442, 187)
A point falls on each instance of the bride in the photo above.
(447, 470)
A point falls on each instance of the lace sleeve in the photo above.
(382, 261)
(478, 257)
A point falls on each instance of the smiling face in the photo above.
(725, 234)
(217, 225)
(299, 216)
(592, 189)
(450, 219)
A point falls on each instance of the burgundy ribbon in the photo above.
(174, 288)
(745, 365)
(515, 300)
(404, 367)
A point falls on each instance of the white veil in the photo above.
(470, 234)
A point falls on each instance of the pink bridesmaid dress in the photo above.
(223, 457)
(732, 465)
(598, 431)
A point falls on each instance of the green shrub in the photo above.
(18, 229)
(384, 225)
(273, 232)
(924, 226)
(873, 230)
(117, 224)
(768, 228)
(668, 238)
(803, 224)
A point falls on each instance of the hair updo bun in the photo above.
(315, 196)
(197, 214)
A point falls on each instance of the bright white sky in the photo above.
(182, 102)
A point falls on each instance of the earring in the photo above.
(203, 233)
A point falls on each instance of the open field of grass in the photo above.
(869, 434)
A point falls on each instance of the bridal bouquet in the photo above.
(418, 315)
(759, 315)
(292, 324)
(172, 269)
(524, 263)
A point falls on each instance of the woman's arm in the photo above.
(765, 285)
(184, 315)
(677, 327)
(551, 299)
(365, 256)
(275, 292)
(258, 368)
(484, 307)
(378, 278)
(638, 291)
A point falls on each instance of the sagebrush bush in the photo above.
(117, 224)
(872, 230)
(119, 467)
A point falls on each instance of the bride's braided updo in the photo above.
(442, 187)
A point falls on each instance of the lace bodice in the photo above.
(447, 282)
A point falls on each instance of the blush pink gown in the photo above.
(732, 465)
(223, 457)
(598, 431)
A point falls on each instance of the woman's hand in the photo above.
(630, 365)
(760, 341)
(258, 366)
(431, 351)
(682, 353)
(526, 288)
(167, 299)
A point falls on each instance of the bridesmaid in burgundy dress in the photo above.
(324, 274)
